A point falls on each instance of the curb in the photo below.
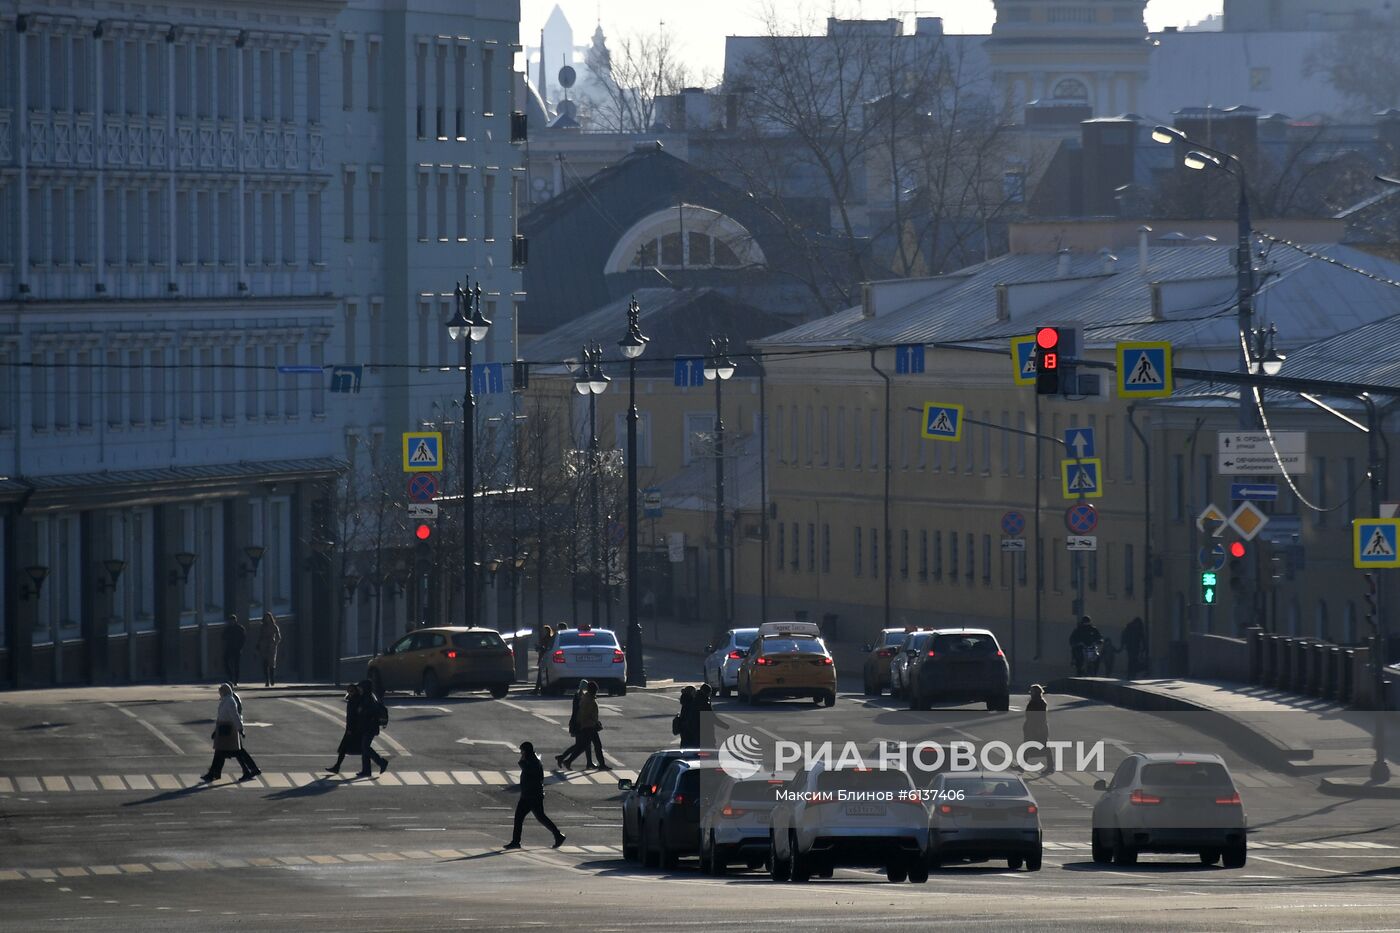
(1268, 749)
(1358, 788)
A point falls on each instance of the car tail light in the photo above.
(653, 789)
(584, 634)
(618, 656)
(680, 798)
(451, 654)
(1000, 654)
(826, 660)
(1139, 798)
(1032, 810)
(1231, 801)
(885, 653)
(932, 653)
(559, 656)
(945, 809)
(730, 811)
(736, 655)
(765, 661)
(1185, 762)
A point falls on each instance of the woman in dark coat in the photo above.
(350, 741)
(687, 721)
(1036, 727)
(367, 720)
(582, 742)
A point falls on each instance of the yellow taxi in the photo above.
(787, 659)
(433, 661)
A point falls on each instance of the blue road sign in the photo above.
(1080, 442)
(1080, 479)
(1212, 558)
(942, 422)
(488, 379)
(346, 378)
(1144, 369)
(690, 371)
(1081, 519)
(422, 487)
(909, 359)
(651, 502)
(1258, 492)
(295, 370)
(1374, 542)
(1013, 523)
(1023, 355)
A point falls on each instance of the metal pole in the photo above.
(762, 488)
(636, 672)
(1039, 555)
(468, 487)
(719, 492)
(1380, 644)
(593, 504)
(1146, 542)
(885, 534)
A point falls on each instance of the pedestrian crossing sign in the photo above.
(942, 422)
(1144, 370)
(422, 452)
(1023, 360)
(1375, 543)
(1081, 478)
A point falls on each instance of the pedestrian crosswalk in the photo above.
(1252, 780)
(166, 866)
(279, 780)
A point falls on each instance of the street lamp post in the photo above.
(473, 328)
(632, 346)
(592, 382)
(720, 368)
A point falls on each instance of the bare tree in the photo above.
(1362, 64)
(643, 68)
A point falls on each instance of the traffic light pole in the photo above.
(1380, 645)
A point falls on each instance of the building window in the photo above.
(778, 450)
(826, 549)
(857, 445)
(809, 436)
(440, 92)
(953, 557)
(923, 555)
(313, 227)
(422, 205)
(796, 549)
(442, 216)
(488, 207)
(372, 77)
(987, 560)
(781, 560)
(421, 85)
(938, 555)
(826, 437)
(971, 557)
(904, 554)
(875, 553)
(460, 75)
(857, 563)
(1127, 570)
(349, 206)
(286, 87)
(463, 186)
(488, 85)
(347, 74)
(811, 548)
(289, 228)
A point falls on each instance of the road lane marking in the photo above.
(29, 785)
(138, 782)
(438, 777)
(54, 783)
(108, 782)
(1274, 861)
(324, 709)
(149, 727)
(552, 720)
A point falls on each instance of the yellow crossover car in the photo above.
(788, 659)
(433, 661)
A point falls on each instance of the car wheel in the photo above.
(499, 691)
(1123, 854)
(829, 700)
(376, 682)
(1014, 862)
(918, 872)
(715, 864)
(816, 700)
(724, 690)
(777, 867)
(1236, 856)
(755, 862)
(1210, 856)
(1099, 850)
(799, 867)
(432, 687)
(1033, 861)
(896, 872)
(622, 689)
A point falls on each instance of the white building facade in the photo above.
(204, 208)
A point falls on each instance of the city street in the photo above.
(105, 827)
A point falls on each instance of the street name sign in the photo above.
(1252, 442)
(1263, 463)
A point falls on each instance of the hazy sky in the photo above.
(700, 27)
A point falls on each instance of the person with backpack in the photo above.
(372, 717)
(350, 741)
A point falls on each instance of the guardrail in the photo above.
(1312, 667)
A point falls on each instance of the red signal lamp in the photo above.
(424, 532)
(1047, 338)
(1236, 548)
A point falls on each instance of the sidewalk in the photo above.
(1295, 734)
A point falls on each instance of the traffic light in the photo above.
(1209, 579)
(1237, 549)
(1237, 552)
(1047, 361)
(424, 531)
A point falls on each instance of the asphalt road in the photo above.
(102, 828)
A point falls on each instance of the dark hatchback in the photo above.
(961, 665)
(640, 794)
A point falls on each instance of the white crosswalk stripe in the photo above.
(276, 780)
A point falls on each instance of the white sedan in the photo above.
(585, 653)
(722, 661)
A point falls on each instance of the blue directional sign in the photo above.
(909, 359)
(942, 422)
(487, 379)
(1023, 357)
(1080, 479)
(690, 371)
(1080, 442)
(1258, 492)
(1374, 542)
(346, 378)
(1144, 369)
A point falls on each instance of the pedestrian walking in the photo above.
(687, 721)
(572, 751)
(596, 729)
(1036, 727)
(235, 635)
(350, 741)
(586, 726)
(1134, 643)
(704, 715)
(531, 788)
(370, 717)
(228, 738)
(544, 638)
(269, 641)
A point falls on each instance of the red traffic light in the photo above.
(1047, 338)
(1236, 548)
(424, 532)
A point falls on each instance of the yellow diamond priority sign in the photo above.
(1248, 520)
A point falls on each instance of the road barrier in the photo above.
(1315, 668)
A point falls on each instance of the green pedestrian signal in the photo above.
(1208, 583)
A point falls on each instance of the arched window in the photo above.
(685, 237)
(1070, 89)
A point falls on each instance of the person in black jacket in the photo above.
(350, 741)
(531, 788)
(367, 717)
(235, 635)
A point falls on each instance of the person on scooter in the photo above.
(1084, 638)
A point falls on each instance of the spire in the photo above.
(544, 85)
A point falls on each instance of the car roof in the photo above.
(982, 774)
(963, 631)
(736, 631)
(788, 629)
(585, 629)
(454, 629)
(1159, 757)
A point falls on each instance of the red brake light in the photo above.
(680, 798)
(1000, 654)
(585, 634)
(730, 811)
(1139, 798)
(736, 656)
(1032, 809)
(765, 661)
(886, 653)
(1184, 762)
(1231, 801)
(653, 789)
(451, 654)
(618, 656)
(945, 809)
(827, 660)
(559, 656)
(932, 653)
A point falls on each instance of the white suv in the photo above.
(838, 818)
(584, 653)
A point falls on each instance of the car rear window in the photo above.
(793, 646)
(967, 646)
(987, 787)
(477, 640)
(599, 639)
(894, 638)
(744, 639)
(754, 792)
(832, 781)
(1186, 774)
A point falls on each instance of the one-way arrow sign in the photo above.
(1081, 441)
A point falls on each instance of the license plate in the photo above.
(865, 809)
